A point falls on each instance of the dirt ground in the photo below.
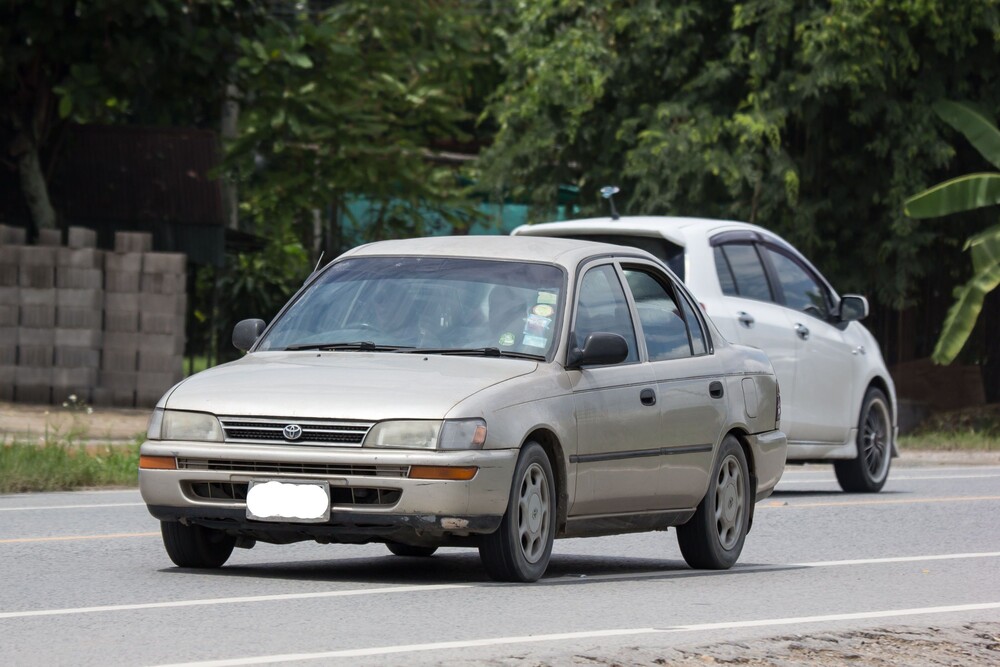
(33, 423)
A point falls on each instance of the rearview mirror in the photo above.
(852, 307)
(246, 333)
(600, 349)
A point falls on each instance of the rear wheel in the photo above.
(713, 538)
(520, 548)
(868, 472)
(196, 546)
(410, 550)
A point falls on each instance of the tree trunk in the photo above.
(33, 185)
(230, 132)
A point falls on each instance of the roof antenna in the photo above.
(319, 261)
(609, 192)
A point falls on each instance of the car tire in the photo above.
(196, 546)
(869, 471)
(410, 550)
(519, 550)
(713, 538)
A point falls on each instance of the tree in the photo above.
(965, 193)
(107, 61)
(812, 119)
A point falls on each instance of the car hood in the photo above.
(342, 385)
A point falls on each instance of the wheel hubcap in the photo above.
(730, 499)
(533, 514)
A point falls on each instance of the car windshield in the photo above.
(427, 304)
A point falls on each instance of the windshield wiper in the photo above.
(474, 351)
(362, 346)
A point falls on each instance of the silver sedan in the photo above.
(491, 392)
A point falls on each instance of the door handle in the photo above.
(648, 397)
(745, 318)
(802, 330)
(715, 389)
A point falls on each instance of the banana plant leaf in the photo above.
(958, 194)
(977, 127)
(963, 313)
(985, 248)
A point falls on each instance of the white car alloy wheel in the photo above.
(868, 472)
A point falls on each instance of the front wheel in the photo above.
(196, 546)
(868, 472)
(713, 538)
(520, 548)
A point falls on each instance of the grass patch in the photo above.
(61, 465)
(951, 441)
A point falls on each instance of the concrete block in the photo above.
(113, 398)
(160, 362)
(8, 357)
(121, 320)
(160, 303)
(9, 261)
(121, 340)
(9, 336)
(36, 256)
(130, 262)
(157, 342)
(80, 258)
(163, 283)
(91, 338)
(13, 235)
(50, 237)
(160, 323)
(10, 296)
(29, 376)
(121, 301)
(41, 394)
(148, 397)
(81, 237)
(80, 298)
(121, 281)
(117, 380)
(37, 316)
(74, 377)
(78, 357)
(36, 296)
(157, 381)
(6, 389)
(120, 359)
(68, 317)
(72, 277)
(34, 356)
(164, 262)
(9, 314)
(32, 275)
(133, 242)
(27, 336)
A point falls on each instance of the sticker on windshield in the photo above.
(507, 339)
(534, 341)
(543, 310)
(537, 326)
(547, 298)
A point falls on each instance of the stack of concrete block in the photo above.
(36, 323)
(119, 376)
(79, 324)
(11, 238)
(161, 324)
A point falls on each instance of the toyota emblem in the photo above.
(292, 432)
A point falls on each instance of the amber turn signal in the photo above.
(462, 473)
(157, 463)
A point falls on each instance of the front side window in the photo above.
(663, 322)
(601, 307)
(802, 290)
(747, 271)
(426, 302)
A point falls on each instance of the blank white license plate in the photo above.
(296, 502)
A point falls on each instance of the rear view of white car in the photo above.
(838, 400)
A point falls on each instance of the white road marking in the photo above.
(68, 507)
(444, 587)
(592, 634)
(891, 479)
(825, 470)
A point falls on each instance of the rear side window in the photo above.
(747, 272)
(802, 291)
(669, 253)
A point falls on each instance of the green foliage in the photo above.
(62, 464)
(352, 101)
(812, 119)
(963, 194)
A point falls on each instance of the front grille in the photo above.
(314, 431)
(335, 469)
(339, 496)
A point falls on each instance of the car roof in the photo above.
(675, 228)
(568, 252)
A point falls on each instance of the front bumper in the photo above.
(372, 498)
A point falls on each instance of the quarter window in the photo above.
(663, 322)
(601, 307)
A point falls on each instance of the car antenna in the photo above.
(609, 192)
(319, 261)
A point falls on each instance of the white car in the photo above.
(838, 400)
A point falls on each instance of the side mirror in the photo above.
(852, 307)
(600, 349)
(246, 333)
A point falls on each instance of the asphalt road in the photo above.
(84, 580)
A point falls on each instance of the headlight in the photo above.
(179, 425)
(425, 434)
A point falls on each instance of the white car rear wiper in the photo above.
(363, 346)
(474, 351)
